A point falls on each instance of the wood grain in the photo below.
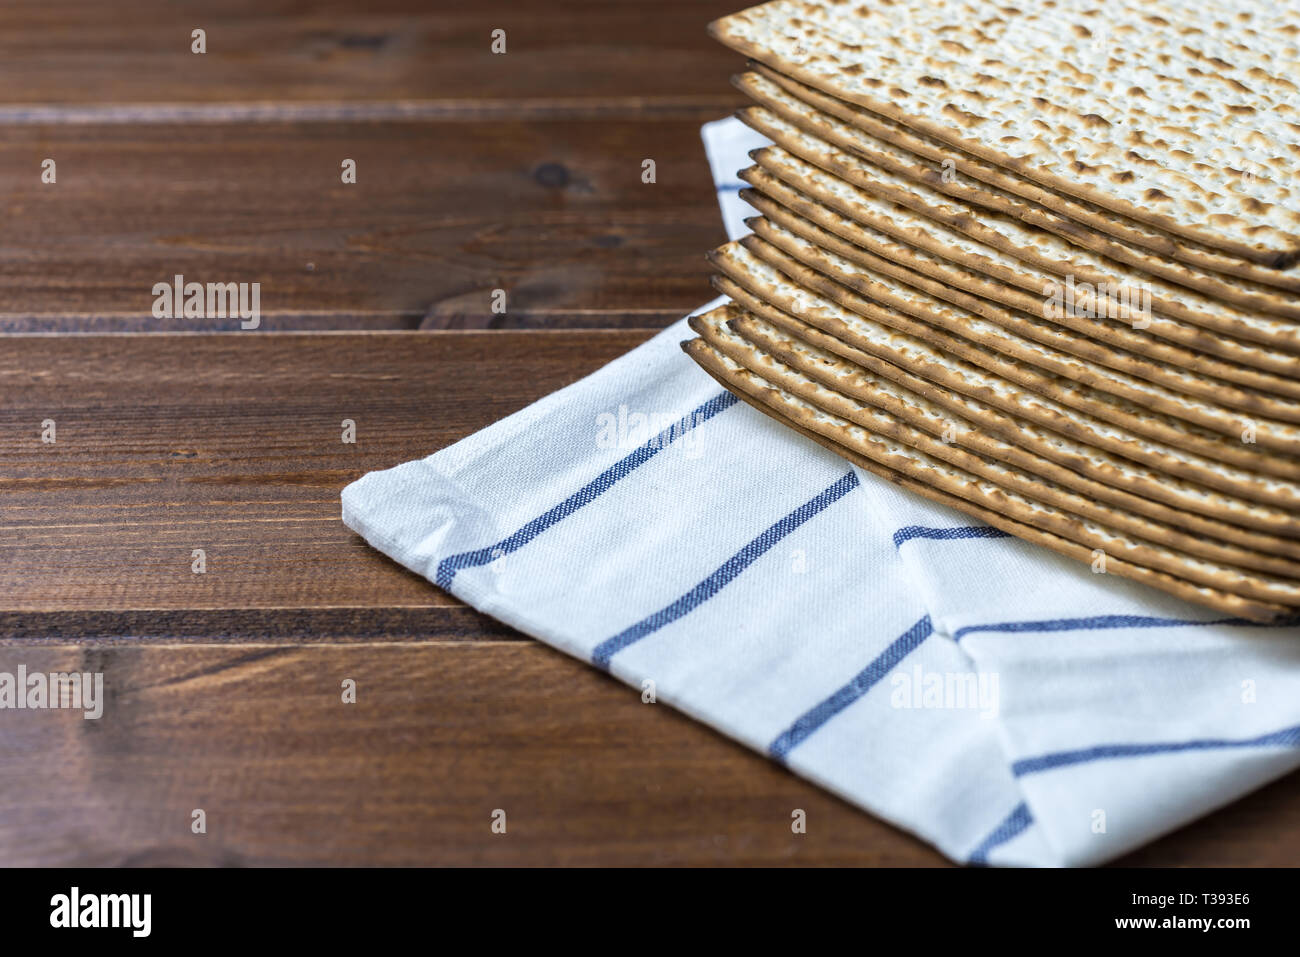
(133, 53)
(440, 736)
(232, 443)
(553, 212)
(475, 172)
(223, 687)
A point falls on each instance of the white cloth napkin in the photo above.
(1001, 702)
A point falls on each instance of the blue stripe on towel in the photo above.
(720, 578)
(1016, 823)
(448, 567)
(1097, 622)
(860, 684)
(943, 534)
(1285, 738)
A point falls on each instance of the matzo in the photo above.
(881, 227)
(892, 412)
(1114, 424)
(1070, 218)
(1008, 511)
(1085, 445)
(1027, 234)
(1138, 353)
(1272, 434)
(1156, 129)
(935, 430)
(984, 428)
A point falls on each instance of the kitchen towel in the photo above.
(1005, 704)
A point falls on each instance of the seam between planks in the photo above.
(679, 107)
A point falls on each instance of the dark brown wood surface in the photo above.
(475, 172)
(554, 212)
(617, 56)
(224, 687)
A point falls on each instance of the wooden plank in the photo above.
(475, 172)
(439, 617)
(554, 213)
(232, 443)
(441, 736)
(163, 434)
(616, 52)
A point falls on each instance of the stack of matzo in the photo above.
(1036, 266)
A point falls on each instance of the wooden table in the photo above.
(475, 172)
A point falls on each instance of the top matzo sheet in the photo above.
(1178, 114)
